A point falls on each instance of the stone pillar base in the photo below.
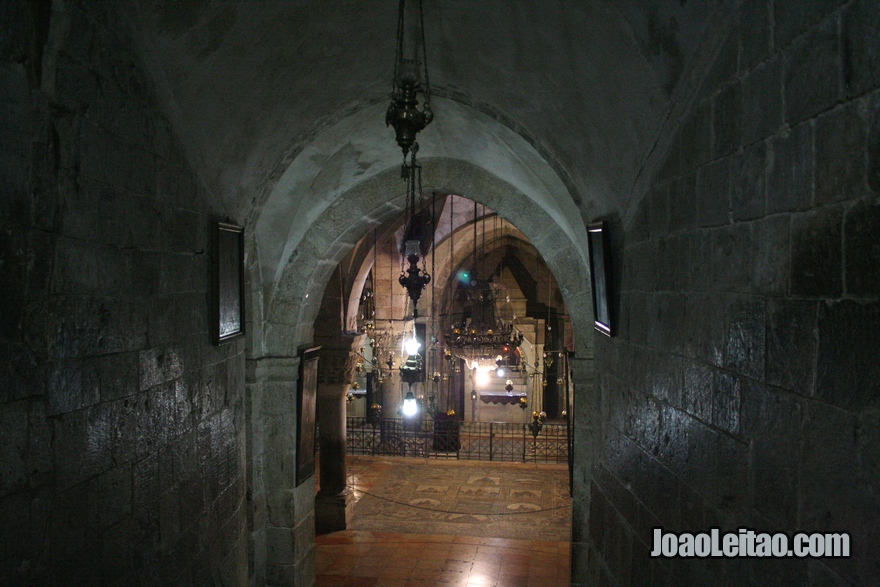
(333, 512)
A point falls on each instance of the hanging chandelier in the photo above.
(415, 279)
(403, 112)
(480, 336)
(482, 340)
(406, 118)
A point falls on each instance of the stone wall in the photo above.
(122, 447)
(742, 390)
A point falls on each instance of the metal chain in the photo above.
(454, 284)
(425, 56)
(483, 246)
(475, 238)
(433, 254)
(399, 52)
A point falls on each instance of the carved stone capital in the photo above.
(338, 358)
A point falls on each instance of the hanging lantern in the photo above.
(410, 406)
(408, 82)
(412, 346)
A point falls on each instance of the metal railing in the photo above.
(453, 439)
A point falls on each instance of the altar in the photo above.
(501, 406)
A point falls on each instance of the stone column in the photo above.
(587, 444)
(333, 503)
(282, 542)
(383, 397)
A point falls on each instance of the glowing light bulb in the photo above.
(499, 372)
(412, 346)
(410, 407)
(482, 378)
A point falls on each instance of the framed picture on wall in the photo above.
(306, 399)
(228, 282)
(600, 275)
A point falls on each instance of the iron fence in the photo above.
(453, 439)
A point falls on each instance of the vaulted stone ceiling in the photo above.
(593, 86)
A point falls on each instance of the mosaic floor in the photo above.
(462, 498)
(450, 523)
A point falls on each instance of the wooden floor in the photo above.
(361, 558)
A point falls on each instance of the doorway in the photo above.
(290, 315)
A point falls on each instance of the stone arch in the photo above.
(361, 260)
(283, 513)
(357, 149)
(296, 300)
(495, 240)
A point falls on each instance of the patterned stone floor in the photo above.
(464, 498)
(420, 523)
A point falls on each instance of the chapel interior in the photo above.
(645, 232)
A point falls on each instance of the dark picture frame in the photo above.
(600, 276)
(228, 282)
(306, 399)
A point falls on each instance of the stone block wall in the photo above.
(742, 389)
(122, 447)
